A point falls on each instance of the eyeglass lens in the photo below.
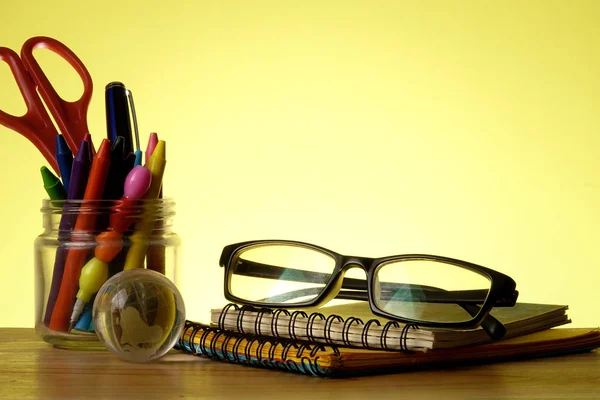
(421, 290)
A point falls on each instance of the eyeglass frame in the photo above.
(502, 291)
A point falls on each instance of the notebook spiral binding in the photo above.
(309, 331)
(250, 349)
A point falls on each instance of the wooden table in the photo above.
(30, 368)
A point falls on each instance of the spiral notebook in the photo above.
(328, 360)
(354, 325)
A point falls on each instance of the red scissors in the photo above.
(36, 125)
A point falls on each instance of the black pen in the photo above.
(117, 115)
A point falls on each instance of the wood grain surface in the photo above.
(30, 368)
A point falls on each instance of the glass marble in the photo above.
(138, 315)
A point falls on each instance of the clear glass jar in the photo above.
(84, 243)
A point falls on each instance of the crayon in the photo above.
(77, 256)
(79, 177)
(142, 230)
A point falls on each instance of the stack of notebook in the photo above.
(347, 340)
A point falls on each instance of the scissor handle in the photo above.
(71, 117)
(36, 124)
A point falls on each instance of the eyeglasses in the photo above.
(420, 289)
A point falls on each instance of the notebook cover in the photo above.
(318, 359)
(354, 325)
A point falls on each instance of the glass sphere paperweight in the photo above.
(138, 315)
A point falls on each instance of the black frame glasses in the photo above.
(477, 302)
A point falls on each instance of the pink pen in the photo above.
(136, 184)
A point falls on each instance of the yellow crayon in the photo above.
(143, 228)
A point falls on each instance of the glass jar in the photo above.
(84, 243)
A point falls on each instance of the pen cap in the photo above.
(117, 115)
(62, 251)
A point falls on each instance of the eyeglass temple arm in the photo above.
(493, 327)
(466, 299)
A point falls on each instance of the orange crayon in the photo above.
(85, 223)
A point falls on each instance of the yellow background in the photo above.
(468, 129)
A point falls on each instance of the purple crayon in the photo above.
(78, 182)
